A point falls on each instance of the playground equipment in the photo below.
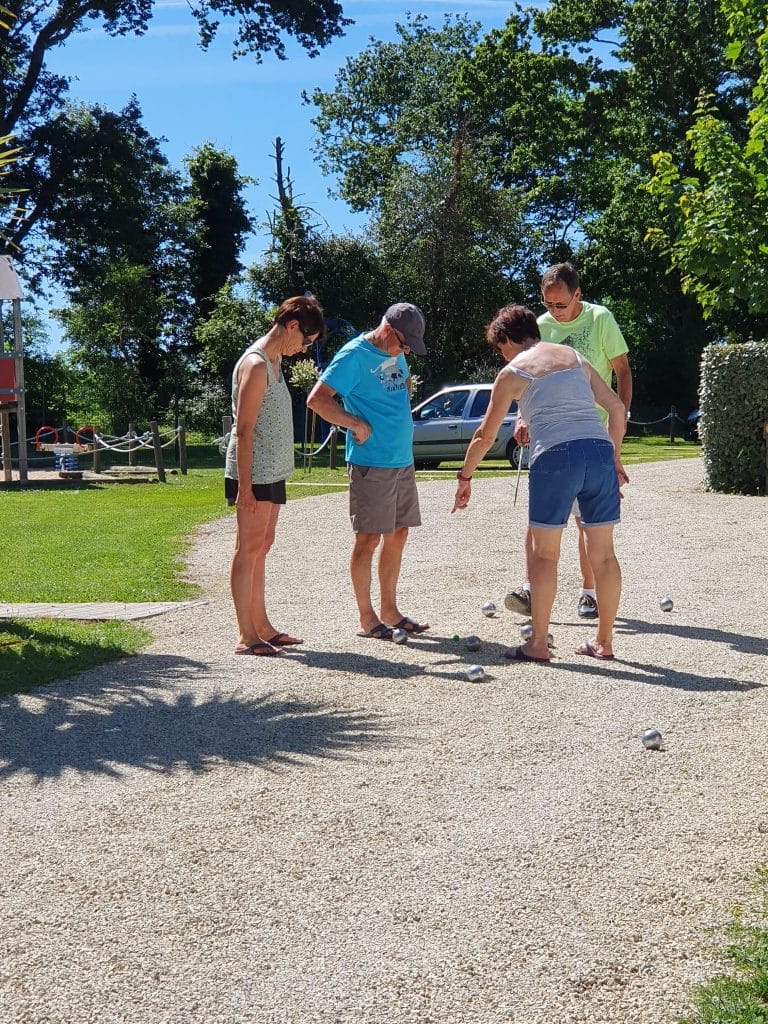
(12, 373)
(65, 452)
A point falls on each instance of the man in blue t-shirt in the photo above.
(371, 376)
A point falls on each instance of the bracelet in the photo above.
(464, 479)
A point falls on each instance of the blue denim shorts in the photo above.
(584, 470)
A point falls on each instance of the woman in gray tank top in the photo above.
(573, 456)
(259, 461)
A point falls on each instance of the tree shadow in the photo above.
(653, 675)
(383, 667)
(143, 720)
(736, 641)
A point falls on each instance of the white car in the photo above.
(443, 426)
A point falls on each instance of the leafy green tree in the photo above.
(115, 197)
(31, 96)
(233, 324)
(714, 228)
(220, 221)
(573, 121)
(113, 334)
(409, 149)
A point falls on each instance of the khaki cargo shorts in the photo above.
(382, 500)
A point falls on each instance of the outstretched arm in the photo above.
(506, 389)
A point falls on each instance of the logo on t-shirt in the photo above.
(390, 375)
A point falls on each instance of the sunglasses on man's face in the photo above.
(557, 305)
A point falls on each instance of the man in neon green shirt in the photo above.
(592, 331)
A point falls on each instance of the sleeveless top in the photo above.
(273, 432)
(559, 407)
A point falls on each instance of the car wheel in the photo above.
(427, 463)
(515, 452)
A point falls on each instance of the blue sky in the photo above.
(189, 96)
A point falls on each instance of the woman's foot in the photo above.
(284, 640)
(594, 649)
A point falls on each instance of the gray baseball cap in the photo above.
(409, 321)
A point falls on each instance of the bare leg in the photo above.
(390, 559)
(602, 558)
(255, 535)
(587, 575)
(544, 556)
(360, 571)
(528, 554)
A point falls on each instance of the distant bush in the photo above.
(734, 409)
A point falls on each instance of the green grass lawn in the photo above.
(127, 542)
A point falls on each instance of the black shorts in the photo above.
(262, 492)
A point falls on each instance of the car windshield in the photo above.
(450, 404)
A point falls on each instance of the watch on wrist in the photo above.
(464, 479)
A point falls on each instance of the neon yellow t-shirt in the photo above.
(594, 333)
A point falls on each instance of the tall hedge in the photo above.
(734, 408)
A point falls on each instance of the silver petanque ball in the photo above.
(489, 609)
(475, 673)
(472, 643)
(651, 739)
(400, 636)
(550, 640)
(666, 604)
(526, 631)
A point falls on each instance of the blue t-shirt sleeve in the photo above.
(342, 374)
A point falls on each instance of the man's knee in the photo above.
(366, 543)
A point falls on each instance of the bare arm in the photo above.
(617, 415)
(623, 380)
(252, 381)
(321, 400)
(506, 388)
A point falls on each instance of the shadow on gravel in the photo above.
(139, 721)
(389, 666)
(654, 675)
(736, 641)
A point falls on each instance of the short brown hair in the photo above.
(513, 323)
(307, 310)
(561, 273)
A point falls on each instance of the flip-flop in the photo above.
(592, 652)
(518, 654)
(378, 632)
(410, 626)
(283, 640)
(260, 649)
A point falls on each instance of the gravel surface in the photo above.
(357, 833)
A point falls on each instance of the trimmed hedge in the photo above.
(734, 407)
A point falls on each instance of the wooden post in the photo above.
(131, 449)
(182, 442)
(21, 406)
(96, 454)
(5, 426)
(672, 420)
(158, 451)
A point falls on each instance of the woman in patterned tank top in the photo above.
(259, 461)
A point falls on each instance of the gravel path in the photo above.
(356, 833)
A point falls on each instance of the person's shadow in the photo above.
(144, 720)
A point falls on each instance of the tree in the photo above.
(344, 272)
(116, 196)
(409, 149)
(31, 96)
(220, 220)
(715, 219)
(573, 121)
(113, 334)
